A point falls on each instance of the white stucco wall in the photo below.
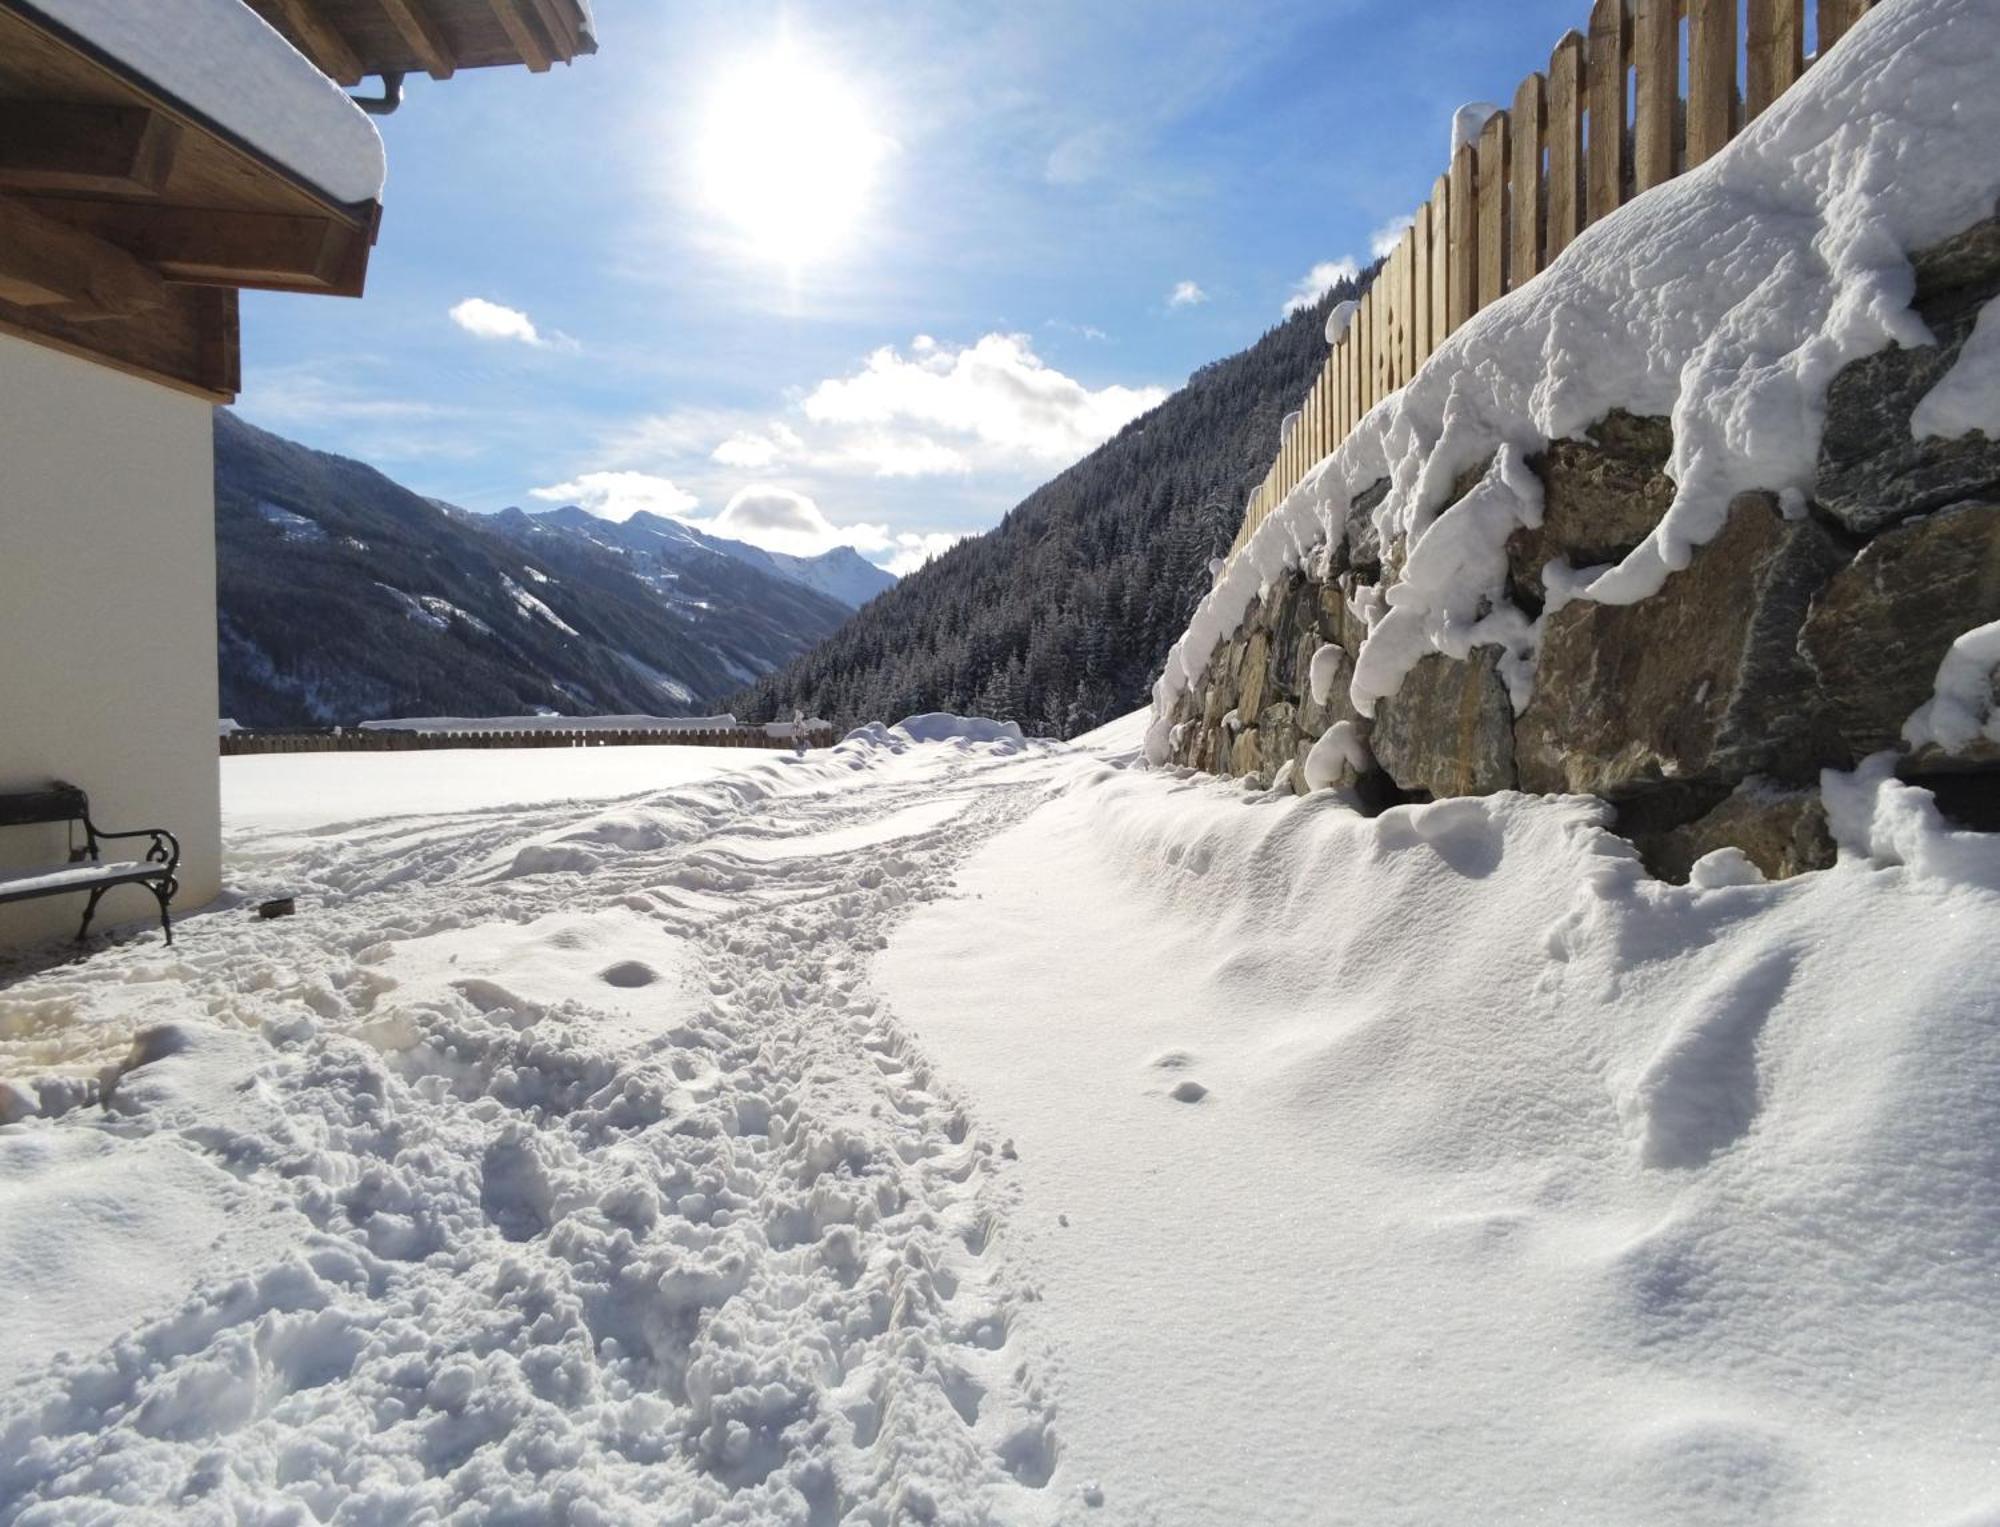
(107, 618)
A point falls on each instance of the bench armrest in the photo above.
(164, 849)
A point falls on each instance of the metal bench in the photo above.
(87, 870)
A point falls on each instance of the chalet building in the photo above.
(155, 159)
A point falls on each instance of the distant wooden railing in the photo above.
(1540, 173)
(354, 740)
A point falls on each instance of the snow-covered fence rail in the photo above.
(374, 740)
(1528, 179)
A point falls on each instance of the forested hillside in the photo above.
(1059, 617)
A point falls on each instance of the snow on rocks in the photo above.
(1728, 299)
(1969, 396)
(1961, 710)
(599, 1186)
(222, 60)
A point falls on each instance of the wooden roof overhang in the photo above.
(128, 221)
(352, 39)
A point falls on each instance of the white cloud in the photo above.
(490, 320)
(755, 449)
(620, 495)
(913, 551)
(1383, 241)
(996, 395)
(1186, 294)
(1318, 281)
(780, 519)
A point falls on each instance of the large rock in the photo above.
(1449, 729)
(1336, 615)
(1362, 546)
(1876, 634)
(1701, 682)
(1600, 498)
(1277, 738)
(1245, 756)
(1782, 831)
(1294, 618)
(1872, 470)
(1254, 677)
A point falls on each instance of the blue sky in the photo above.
(861, 273)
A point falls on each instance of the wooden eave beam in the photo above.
(48, 264)
(74, 146)
(214, 247)
(317, 39)
(521, 33)
(559, 22)
(420, 31)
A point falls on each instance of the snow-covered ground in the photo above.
(299, 790)
(976, 1130)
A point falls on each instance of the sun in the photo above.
(788, 156)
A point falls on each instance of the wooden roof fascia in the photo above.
(85, 146)
(193, 345)
(47, 263)
(316, 37)
(521, 32)
(420, 31)
(267, 251)
(561, 25)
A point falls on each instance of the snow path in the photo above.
(553, 1163)
(980, 1131)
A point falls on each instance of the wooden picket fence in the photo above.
(1664, 71)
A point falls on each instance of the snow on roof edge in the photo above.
(222, 62)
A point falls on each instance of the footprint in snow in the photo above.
(629, 973)
(1189, 1091)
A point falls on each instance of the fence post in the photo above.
(1493, 209)
(1604, 83)
(1421, 345)
(1776, 51)
(1835, 17)
(1563, 128)
(1464, 237)
(1711, 97)
(1525, 198)
(1439, 274)
(1656, 65)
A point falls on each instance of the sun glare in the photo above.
(788, 155)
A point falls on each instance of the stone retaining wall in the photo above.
(1793, 642)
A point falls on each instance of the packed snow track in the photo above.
(946, 1128)
(551, 1165)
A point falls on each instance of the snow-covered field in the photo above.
(303, 790)
(969, 1130)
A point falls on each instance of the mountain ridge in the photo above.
(342, 596)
